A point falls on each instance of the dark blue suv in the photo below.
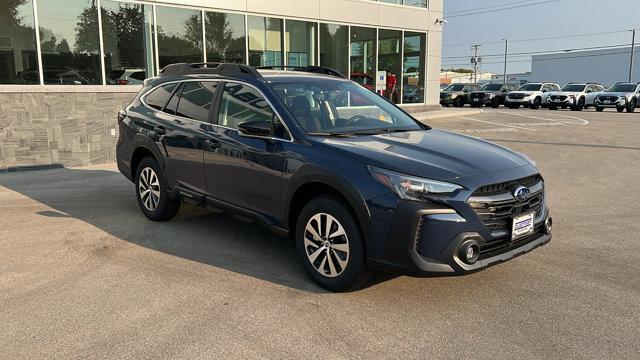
(358, 182)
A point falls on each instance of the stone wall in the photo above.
(52, 129)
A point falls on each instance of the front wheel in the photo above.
(151, 192)
(458, 102)
(632, 106)
(535, 105)
(620, 109)
(331, 246)
(599, 108)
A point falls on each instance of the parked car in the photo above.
(127, 77)
(457, 94)
(620, 96)
(576, 96)
(533, 95)
(359, 188)
(58, 76)
(491, 95)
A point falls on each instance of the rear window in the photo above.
(158, 97)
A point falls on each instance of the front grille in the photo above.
(517, 96)
(477, 95)
(558, 97)
(610, 98)
(496, 207)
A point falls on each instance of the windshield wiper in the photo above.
(333, 134)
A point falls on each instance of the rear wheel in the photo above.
(331, 246)
(458, 102)
(535, 105)
(151, 192)
(620, 108)
(632, 106)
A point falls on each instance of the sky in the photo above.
(549, 18)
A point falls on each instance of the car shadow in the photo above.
(106, 199)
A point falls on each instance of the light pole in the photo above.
(633, 45)
(506, 53)
(475, 60)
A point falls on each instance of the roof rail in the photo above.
(209, 68)
(310, 68)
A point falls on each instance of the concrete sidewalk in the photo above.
(446, 113)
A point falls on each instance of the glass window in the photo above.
(69, 42)
(390, 60)
(363, 53)
(334, 47)
(300, 42)
(225, 36)
(127, 32)
(418, 3)
(18, 58)
(328, 106)
(158, 97)
(413, 66)
(265, 41)
(179, 35)
(172, 105)
(195, 100)
(242, 103)
(399, 2)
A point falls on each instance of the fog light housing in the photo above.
(547, 225)
(469, 252)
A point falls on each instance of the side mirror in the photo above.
(261, 128)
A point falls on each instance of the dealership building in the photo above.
(68, 66)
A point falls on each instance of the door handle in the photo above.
(211, 145)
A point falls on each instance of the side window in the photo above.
(242, 103)
(195, 99)
(158, 97)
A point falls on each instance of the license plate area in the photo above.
(523, 225)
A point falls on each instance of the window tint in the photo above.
(195, 99)
(172, 105)
(158, 97)
(242, 103)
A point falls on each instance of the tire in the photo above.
(580, 105)
(632, 106)
(345, 268)
(151, 192)
(495, 103)
(620, 109)
(537, 102)
(599, 108)
(458, 102)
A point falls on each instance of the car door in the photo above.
(241, 170)
(183, 123)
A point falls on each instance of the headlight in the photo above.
(412, 188)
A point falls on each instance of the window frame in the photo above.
(214, 101)
(216, 117)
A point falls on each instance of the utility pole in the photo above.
(506, 53)
(475, 61)
(633, 46)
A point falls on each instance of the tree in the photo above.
(87, 31)
(10, 15)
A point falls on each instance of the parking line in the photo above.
(495, 123)
(585, 122)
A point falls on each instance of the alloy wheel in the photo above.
(149, 188)
(326, 245)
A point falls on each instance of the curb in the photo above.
(446, 114)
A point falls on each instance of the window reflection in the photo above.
(225, 36)
(18, 59)
(179, 35)
(127, 31)
(363, 56)
(301, 40)
(69, 42)
(390, 61)
(265, 41)
(334, 47)
(413, 67)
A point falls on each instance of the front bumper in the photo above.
(557, 102)
(525, 101)
(612, 104)
(426, 240)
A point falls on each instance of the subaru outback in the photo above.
(622, 96)
(357, 182)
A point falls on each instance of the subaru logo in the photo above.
(522, 193)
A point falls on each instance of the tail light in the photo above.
(122, 82)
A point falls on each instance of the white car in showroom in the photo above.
(576, 96)
(533, 95)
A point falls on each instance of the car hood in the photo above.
(435, 154)
(486, 92)
(566, 93)
(614, 93)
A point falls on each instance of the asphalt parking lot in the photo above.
(84, 275)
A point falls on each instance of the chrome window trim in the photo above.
(146, 93)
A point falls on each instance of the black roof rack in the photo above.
(311, 68)
(209, 68)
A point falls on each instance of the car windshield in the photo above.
(530, 87)
(574, 87)
(324, 106)
(492, 87)
(454, 87)
(623, 88)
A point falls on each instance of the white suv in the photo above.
(575, 96)
(533, 95)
